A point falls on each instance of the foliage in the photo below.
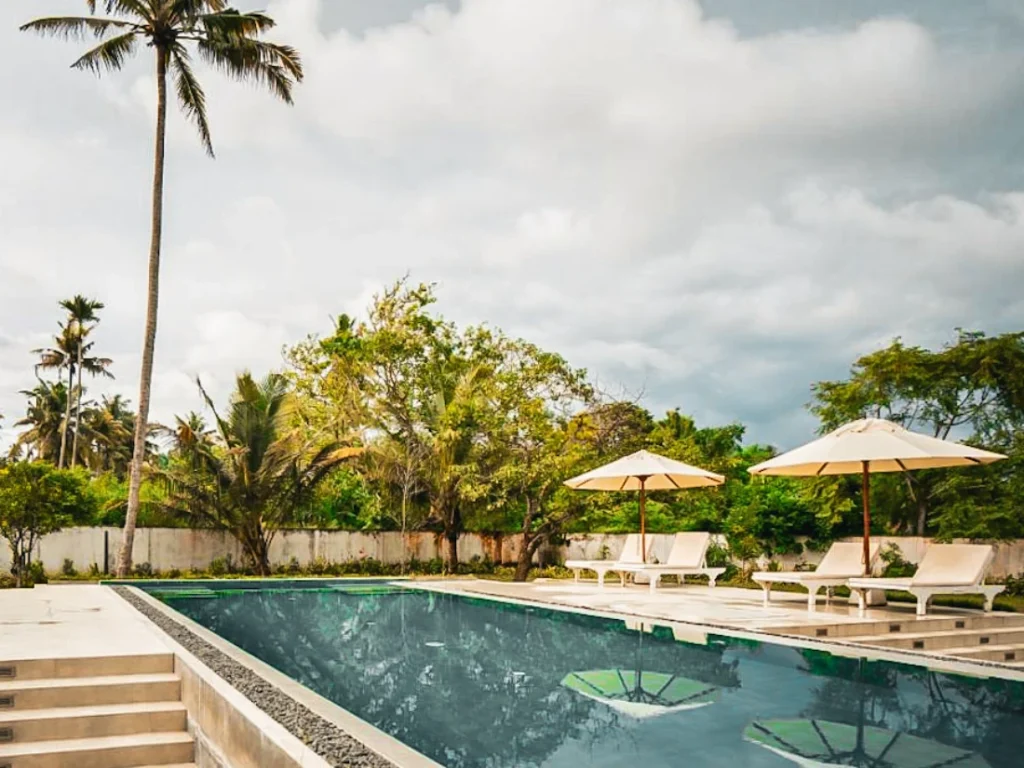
(972, 389)
(896, 566)
(254, 471)
(37, 499)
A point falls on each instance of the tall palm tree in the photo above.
(254, 470)
(45, 419)
(72, 353)
(223, 37)
(111, 426)
(82, 318)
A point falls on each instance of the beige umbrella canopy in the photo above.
(872, 445)
(644, 471)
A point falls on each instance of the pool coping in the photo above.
(387, 747)
(933, 661)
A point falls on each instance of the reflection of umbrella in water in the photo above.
(821, 743)
(643, 694)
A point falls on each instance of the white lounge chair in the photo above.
(945, 569)
(686, 558)
(842, 562)
(631, 555)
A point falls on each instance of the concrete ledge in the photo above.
(245, 713)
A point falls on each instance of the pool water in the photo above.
(480, 683)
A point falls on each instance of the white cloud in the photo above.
(716, 219)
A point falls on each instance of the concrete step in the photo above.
(21, 726)
(852, 630)
(936, 641)
(107, 752)
(97, 666)
(1009, 653)
(19, 695)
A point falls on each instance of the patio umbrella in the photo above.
(641, 694)
(872, 445)
(822, 743)
(644, 471)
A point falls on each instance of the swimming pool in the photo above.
(479, 683)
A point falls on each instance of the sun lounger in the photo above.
(687, 558)
(945, 569)
(631, 555)
(842, 562)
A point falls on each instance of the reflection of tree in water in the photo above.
(982, 715)
(467, 682)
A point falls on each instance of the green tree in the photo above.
(533, 441)
(45, 422)
(970, 389)
(255, 472)
(224, 37)
(71, 353)
(37, 499)
(82, 319)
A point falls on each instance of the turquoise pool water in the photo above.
(485, 684)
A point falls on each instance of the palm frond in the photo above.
(110, 54)
(76, 27)
(230, 23)
(138, 8)
(191, 95)
(274, 66)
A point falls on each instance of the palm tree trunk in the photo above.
(124, 561)
(67, 418)
(78, 404)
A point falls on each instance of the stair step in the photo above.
(89, 722)
(1010, 652)
(933, 641)
(94, 666)
(106, 752)
(853, 630)
(20, 695)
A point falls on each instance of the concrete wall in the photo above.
(181, 548)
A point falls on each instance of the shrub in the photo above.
(68, 568)
(7, 581)
(174, 573)
(143, 571)
(94, 571)
(36, 573)
(896, 566)
(220, 566)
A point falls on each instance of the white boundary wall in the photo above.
(183, 548)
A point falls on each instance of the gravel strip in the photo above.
(330, 742)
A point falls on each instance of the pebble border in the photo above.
(326, 739)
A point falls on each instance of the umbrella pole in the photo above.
(643, 520)
(866, 494)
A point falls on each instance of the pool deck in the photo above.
(731, 607)
(72, 621)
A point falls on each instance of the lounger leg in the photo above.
(861, 601)
(575, 575)
(812, 599)
(989, 601)
(600, 579)
(622, 578)
(712, 578)
(922, 603)
(654, 582)
(767, 587)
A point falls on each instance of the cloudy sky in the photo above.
(714, 204)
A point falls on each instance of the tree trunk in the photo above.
(124, 561)
(67, 418)
(452, 559)
(78, 403)
(530, 542)
(922, 516)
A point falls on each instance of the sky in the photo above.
(709, 206)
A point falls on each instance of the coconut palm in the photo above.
(223, 37)
(70, 352)
(82, 318)
(110, 426)
(254, 471)
(46, 422)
